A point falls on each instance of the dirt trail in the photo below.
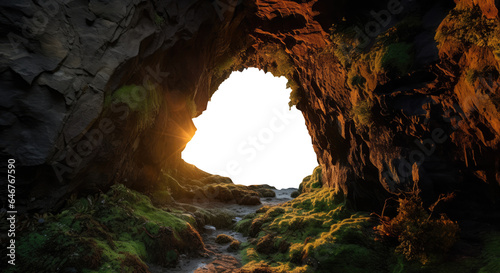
(219, 258)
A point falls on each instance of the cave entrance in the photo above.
(250, 134)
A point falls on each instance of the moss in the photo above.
(131, 263)
(356, 81)
(296, 94)
(281, 64)
(397, 58)
(314, 231)
(158, 19)
(311, 233)
(491, 253)
(223, 239)
(346, 48)
(311, 182)
(161, 198)
(362, 113)
(144, 101)
(274, 212)
(119, 230)
(420, 236)
(471, 27)
(234, 246)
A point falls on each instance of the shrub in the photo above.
(421, 236)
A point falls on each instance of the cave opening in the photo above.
(250, 134)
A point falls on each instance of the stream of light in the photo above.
(249, 134)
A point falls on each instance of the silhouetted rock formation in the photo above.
(100, 92)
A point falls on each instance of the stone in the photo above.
(265, 245)
(224, 239)
(86, 50)
(234, 246)
(249, 200)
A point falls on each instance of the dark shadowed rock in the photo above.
(265, 245)
(429, 96)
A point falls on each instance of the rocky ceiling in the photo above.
(97, 92)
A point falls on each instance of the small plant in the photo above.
(421, 236)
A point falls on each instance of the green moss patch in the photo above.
(119, 231)
(311, 182)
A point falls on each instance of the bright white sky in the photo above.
(249, 134)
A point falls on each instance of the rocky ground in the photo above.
(219, 257)
(123, 230)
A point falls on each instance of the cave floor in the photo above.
(219, 258)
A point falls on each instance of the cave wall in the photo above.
(98, 92)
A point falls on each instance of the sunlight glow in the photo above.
(249, 134)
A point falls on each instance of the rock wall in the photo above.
(97, 92)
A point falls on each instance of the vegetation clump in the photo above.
(420, 235)
(311, 233)
(112, 232)
(234, 246)
(144, 101)
(311, 182)
(362, 113)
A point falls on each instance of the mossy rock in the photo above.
(295, 194)
(265, 245)
(255, 227)
(234, 246)
(243, 226)
(274, 211)
(223, 239)
(263, 209)
(312, 182)
(249, 200)
(112, 232)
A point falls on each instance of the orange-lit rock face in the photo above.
(374, 106)
(488, 7)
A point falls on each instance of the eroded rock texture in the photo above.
(97, 92)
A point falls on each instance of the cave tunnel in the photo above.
(400, 100)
